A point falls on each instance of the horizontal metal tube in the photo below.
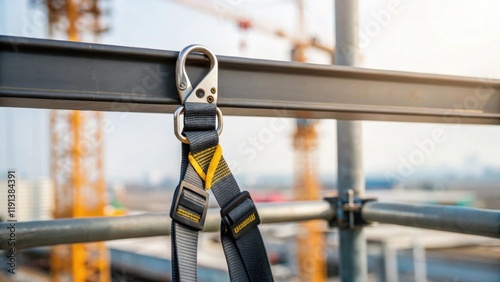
(79, 230)
(37, 73)
(65, 231)
(445, 218)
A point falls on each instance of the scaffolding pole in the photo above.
(444, 218)
(352, 243)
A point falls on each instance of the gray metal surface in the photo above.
(352, 244)
(65, 231)
(38, 73)
(445, 218)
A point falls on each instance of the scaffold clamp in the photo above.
(348, 210)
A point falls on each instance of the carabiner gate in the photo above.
(204, 92)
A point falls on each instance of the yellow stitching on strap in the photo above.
(197, 167)
(187, 214)
(212, 167)
(244, 223)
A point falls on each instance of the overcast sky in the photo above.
(445, 37)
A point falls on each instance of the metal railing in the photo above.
(31, 72)
(80, 230)
(110, 78)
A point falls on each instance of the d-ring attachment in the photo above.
(179, 124)
(206, 91)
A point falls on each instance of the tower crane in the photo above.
(77, 157)
(311, 262)
(247, 23)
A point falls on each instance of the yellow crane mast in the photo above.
(311, 262)
(310, 238)
(77, 158)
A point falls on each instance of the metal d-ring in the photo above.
(206, 91)
(179, 124)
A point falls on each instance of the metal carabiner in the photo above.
(204, 92)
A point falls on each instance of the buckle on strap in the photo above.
(240, 226)
(190, 206)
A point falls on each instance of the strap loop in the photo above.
(179, 123)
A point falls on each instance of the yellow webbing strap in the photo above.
(200, 160)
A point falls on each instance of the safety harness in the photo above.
(204, 168)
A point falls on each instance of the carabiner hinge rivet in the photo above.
(200, 93)
(182, 86)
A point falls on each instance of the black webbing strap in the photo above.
(241, 239)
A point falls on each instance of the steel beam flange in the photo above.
(348, 207)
